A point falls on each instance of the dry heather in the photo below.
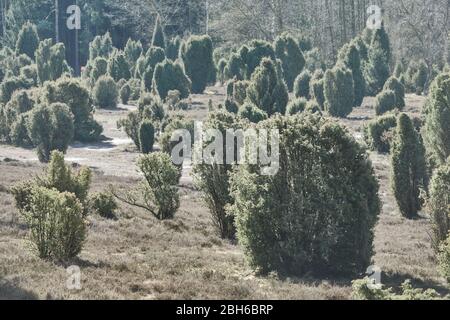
(137, 257)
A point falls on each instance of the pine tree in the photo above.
(408, 167)
(267, 91)
(168, 76)
(27, 40)
(118, 67)
(158, 39)
(173, 48)
(293, 62)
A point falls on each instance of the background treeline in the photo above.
(418, 29)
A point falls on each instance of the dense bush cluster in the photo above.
(379, 132)
(338, 91)
(291, 56)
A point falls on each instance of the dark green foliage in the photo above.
(135, 86)
(380, 39)
(338, 91)
(235, 68)
(50, 127)
(133, 50)
(437, 119)
(146, 136)
(197, 56)
(253, 55)
(168, 76)
(293, 62)
(444, 259)
(118, 67)
(29, 73)
(298, 105)
(316, 87)
(252, 113)
(376, 70)
(76, 95)
(105, 93)
(11, 85)
(212, 178)
(399, 89)
(130, 125)
(173, 48)
(222, 64)
(101, 46)
(99, 68)
(314, 60)
(439, 205)
(14, 121)
(301, 85)
(125, 93)
(267, 90)
(146, 64)
(158, 192)
(104, 204)
(408, 167)
(19, 132)
(27, 40)
(379, 133)
(350, 57)
(302, 219)
(385, 101)
(51, 61)
(305, 43)
(158, 39)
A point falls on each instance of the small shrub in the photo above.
(252, 113)
(301, 85)
(338, 91)
(379, 133)
(316, 88)
(297, 105)
(57, 227)
(158, 192)
(168, 76)
(125, 93)
(197, 56)
(399, 89)
(104, 204)
(385, 101)
(106, 93)
(267, 90)
(146, 136)
(50, 127)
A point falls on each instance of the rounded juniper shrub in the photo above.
(291, 56)
(297, 105)
(379, 132)
(385, 101)
(146, 136)
(338, 91)
(399, 89)
(168, 76)
(317, 213)
(301, 85)
(316, 88)
(105, 93)
(197, 56)
(104, 204)
(125, 93)
(267, 90)
(252, 113)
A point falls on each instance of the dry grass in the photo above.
(137, 257)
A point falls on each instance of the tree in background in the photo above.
(349, 55)
(158, 39)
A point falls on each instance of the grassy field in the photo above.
(137, 257)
